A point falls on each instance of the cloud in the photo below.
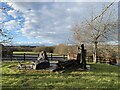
(49, 22)
(11, 25)
(34, 43)
(10, 18)
(61, 0)
(13, 13)
(3, 17)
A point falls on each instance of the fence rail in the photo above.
(33, 57)
(51, 57)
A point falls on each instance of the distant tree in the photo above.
(96, 29)
(108, 51)
(49, 49)
(61, 49)
(38, 49)
(72, 48)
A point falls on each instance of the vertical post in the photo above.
(63, 56)
(83, 54)
(95, 52)
(84, 65)
(88, 59)
(24, 56)
(51, 57)
(82, 48)
(11, 55)
(79, 56)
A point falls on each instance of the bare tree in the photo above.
(61, 49)
(96, 29)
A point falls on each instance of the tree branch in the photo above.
(103, 11)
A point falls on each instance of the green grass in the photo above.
(35, 53)
(101, 76)
(25, 52)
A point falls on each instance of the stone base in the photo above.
(42, 65)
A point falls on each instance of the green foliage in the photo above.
(101, 76)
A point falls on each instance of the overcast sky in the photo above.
(45, 23)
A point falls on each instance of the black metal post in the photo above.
(63, 56)
(11, 55)
(83, 55)
(51, 57)
(24, 56)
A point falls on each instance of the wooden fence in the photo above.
(33, 57)
(53, 57)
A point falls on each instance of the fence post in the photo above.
(51, 56)
(11, 55)
(63, 56)
(24, 56)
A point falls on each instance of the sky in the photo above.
(44, 23)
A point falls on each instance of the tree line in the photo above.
(104, 50)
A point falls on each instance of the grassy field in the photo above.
(100, 77)
(34, 53)
(25, 52)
